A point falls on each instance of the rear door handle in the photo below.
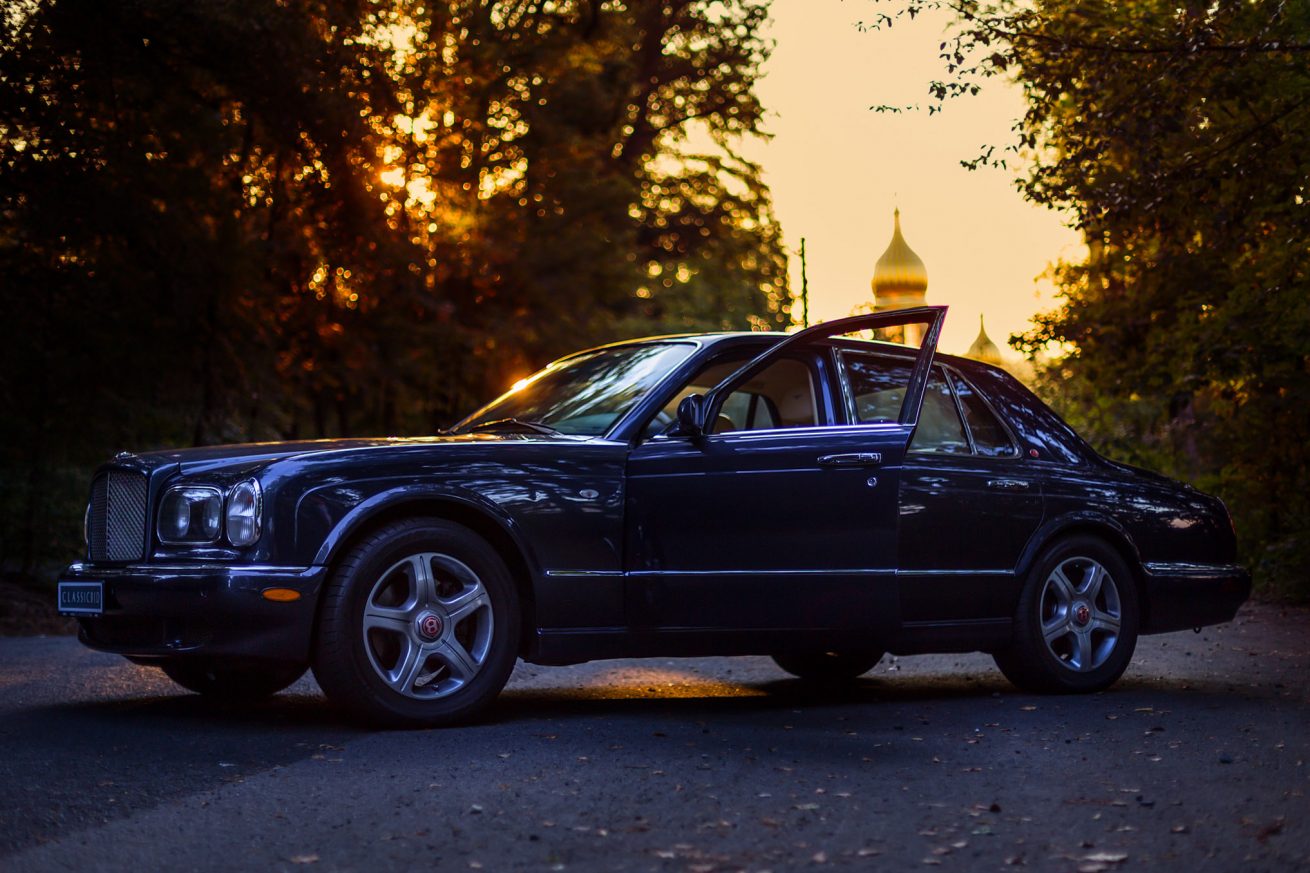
(854, 459)
(1007, 484)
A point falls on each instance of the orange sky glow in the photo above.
(837, 169)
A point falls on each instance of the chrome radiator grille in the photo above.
(117, 530)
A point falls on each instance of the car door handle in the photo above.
(1007, 484)
(854, 459)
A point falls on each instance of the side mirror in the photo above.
(691, 416)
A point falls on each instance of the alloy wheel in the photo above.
(1081, 614)
(428, 625)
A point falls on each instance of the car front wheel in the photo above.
(1076, 624)
(419, 626)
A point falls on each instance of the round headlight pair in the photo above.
(193, 514)
(190, 514)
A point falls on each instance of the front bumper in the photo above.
(1182, 596)
(156, 610)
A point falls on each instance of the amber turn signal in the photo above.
(281, 595)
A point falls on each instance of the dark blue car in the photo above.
(819, 497)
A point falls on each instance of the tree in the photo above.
(228, 219)
(159, 193)
(569, 168)
(1177, 138)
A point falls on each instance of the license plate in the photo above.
(81, 598)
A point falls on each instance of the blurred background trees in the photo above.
(1176, 136)
(225, 219)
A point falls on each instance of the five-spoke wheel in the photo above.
(1076, 624)
(428, 625)
(1081, 614)
(419, 625)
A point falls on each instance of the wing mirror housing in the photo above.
(691, 416)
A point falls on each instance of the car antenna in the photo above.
(805, 290)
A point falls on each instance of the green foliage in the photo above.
(228, 219)
(1177, 137)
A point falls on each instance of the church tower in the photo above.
(900, 280)
(983, 349)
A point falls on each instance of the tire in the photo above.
(828, 666)
(231, 681)
(1084, 595)
(418, 626)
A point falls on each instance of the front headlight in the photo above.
(190, 514)
(244, 505)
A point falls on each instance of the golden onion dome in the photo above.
(983, 349)
(899, 278)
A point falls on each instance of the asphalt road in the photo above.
(1195, 761)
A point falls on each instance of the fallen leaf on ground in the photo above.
(1269, 830)
(1107, 857)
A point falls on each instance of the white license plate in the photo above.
(81, 598)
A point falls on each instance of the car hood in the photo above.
(250, 456)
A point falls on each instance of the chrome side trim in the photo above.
(959, 622)
(954, 572)
(145, 569)
(881, 571)
(698, 474)
(826, 429)
(1184, 568)
(884, 571)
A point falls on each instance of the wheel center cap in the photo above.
(429, 625)
(1082, 614)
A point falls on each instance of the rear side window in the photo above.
(989, 437)
(939, 428)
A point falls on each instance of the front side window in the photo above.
(584, 395)
(781, 395)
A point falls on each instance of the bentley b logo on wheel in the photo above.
(429, 626)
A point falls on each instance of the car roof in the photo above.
(765, 338)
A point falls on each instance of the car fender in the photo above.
(393, 498)
(1079, 521)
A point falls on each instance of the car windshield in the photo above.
(583, 395)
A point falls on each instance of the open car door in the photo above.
(760, 514)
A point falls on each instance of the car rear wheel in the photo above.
(231, 682)
(419, 626)
(1076, 624)
(828, 666)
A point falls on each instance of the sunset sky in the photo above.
(837, 170)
